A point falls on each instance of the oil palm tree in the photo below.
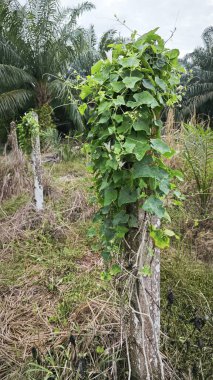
(37, 44)
(87, 52)
(199, 77)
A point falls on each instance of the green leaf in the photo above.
(149, 37)
(161, 83)
(154, 206)
(117, 118)
(148, 84)
(126, 196)
(144, 170)
(115, 269)
(160, 239)
(117, 86)
(142, 184)
(119, 101)
(130, 81)
(106, 255)
(91, 232)
(121, 231)
(133, 221)
(102, 75)
(117, 148)
(169, 233)
(132, 104)
(136, 146)
(112, 130)
(158, 123)
(110, 195)
(86, 90)
(129, 145)
(132, 61)
(145, 98)
(112, 163)
(178, 194)
(177, 173)
(124, 127)
(140, 149)
(142, 125)
(169, 154)
(113, 77)
(96, 67)
(100, 349)
(106, 276)
(164, 186)
(146, 271)
(82, 108)
(104, 118)
(120, 218)
(104, 106)
(172, 54)
(104, 185)
(160, 146)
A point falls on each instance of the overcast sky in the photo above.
(189, 17)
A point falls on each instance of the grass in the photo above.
(49, 264)
(13, 204)
(186, 317)
(50, 288)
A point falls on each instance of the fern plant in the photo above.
(198, 153)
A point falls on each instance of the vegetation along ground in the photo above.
(60, 319)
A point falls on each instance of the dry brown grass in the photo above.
(79, 208)
(27, 303)
(26, 218)
(24, 322)
(173, 137)
(14, 175)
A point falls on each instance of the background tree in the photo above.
(199, 78)
(38, 42)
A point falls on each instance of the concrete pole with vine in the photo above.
(128, 92)
(36, 163)
(144, 337)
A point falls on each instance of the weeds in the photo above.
(198, 153)
(58, 320)
(14, 176)
(186, 318)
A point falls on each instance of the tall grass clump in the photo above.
(198, 157)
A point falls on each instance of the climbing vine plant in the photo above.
(126, 95)
(27, 128)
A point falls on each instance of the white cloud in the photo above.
(189, 18)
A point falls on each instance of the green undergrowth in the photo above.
(76, 168)
(54, 252)
(56, 256)
(186, 317)
(11, 205)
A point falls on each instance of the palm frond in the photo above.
(11, 76)
(106, 39)
(199, 84)
(64, 96)
(207, 37)
(9, 55)
(78, 11)
(15, 100)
